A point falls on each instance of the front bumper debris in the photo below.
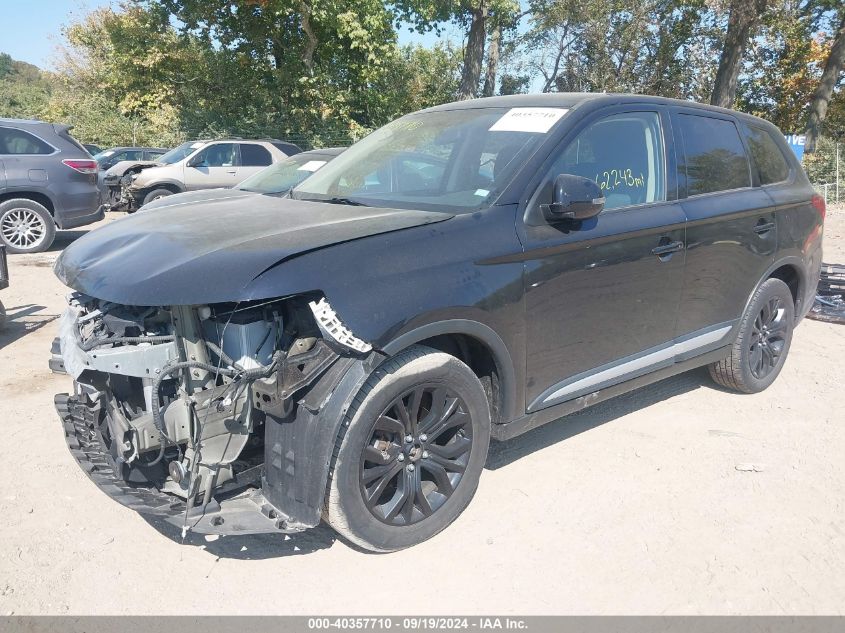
(237, 509)
(830, 295)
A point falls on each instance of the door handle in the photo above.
(763, 227)
(234, 171)
(666, 249)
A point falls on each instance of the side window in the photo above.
(253, 155)
(715, 157)
(623, 154)
(20, 142)
(133, 154)
(767, 156)
(217, 155)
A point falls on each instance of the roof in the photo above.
(573, 99)
(23, 121)
(326, 151)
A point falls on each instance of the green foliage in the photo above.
(24, 89)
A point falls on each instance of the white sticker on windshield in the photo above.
(538, 120)
(108, 153)
(197, 145)
(481, 192)
(312, 165)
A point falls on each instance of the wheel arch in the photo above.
(36, 196)
(477, 345)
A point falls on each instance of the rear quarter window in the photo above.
(14, 141)
(254, 155)
(770, 162)
(715, 156)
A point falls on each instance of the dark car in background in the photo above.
(108, 158)
(467, 272)
(278, 178)
(47, 180)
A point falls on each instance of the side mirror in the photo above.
(196, 161)
(574, 198)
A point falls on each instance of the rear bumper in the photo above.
(239, 510)
(65, 221)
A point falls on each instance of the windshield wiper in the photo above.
(348, 201)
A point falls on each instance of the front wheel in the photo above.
(155, 194)
(410, 452)
(765, 335)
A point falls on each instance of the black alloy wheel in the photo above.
(417, 454)
(410, 451)
(768, 338)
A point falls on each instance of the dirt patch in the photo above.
(678, 498)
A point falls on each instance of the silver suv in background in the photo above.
(47, 180)
(196, 165)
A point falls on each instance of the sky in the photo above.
(30, 30)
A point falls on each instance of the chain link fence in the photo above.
(826, 169)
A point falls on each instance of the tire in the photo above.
(155, 194)
(26, 226)
(373, 429)
(2, 316)
(752, 366)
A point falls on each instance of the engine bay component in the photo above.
(174, 401)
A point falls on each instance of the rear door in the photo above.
(731, 231)
(253, 158)
(214, 166)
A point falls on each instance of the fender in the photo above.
(298, 449)
(474, 329)
(800, 308)
(159, 183)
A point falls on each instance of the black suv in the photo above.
(466, 272)
(47, 180)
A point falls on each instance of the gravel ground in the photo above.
(679, 498)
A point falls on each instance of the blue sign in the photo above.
(796, 142)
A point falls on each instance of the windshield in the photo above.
(443, 160)
(280, 177)
(178, 153)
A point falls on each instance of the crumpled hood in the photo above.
(210, 251)
(118, 169)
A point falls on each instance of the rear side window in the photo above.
(254, 155)
(19, 142)
(767, 156)
(715, 156)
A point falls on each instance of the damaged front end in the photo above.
(220, 418)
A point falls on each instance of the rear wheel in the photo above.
(765, 335)
(2, 316)
(411, 451)
(26, 226)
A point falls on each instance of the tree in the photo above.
(24, 89)
(742, 21)
(473, 16)
(830, 77)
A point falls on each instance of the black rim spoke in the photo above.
(768, 338)
(416, 456)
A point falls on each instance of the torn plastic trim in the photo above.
(332, 327)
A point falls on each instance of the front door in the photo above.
(214, 166)
(602, 298)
